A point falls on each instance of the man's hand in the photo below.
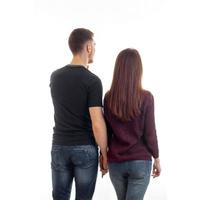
(103, 164)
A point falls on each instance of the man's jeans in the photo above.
(78, 162)
(130, 178)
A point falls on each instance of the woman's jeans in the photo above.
(130, 178)
(74, 162)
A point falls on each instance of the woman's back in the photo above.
(129, 114)
(135, 139)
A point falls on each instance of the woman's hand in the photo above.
(156, 168)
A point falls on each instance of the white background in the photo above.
(33, 43)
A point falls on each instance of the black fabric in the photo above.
(74, 89)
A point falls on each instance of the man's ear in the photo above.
(89, 48)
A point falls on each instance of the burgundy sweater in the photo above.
(133, 140)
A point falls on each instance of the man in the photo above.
(79, 123)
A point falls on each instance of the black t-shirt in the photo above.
(74, 89)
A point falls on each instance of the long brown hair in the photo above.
(125, 95)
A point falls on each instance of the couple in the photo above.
(125, 132)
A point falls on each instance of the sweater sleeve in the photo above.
(150, 136)
(108, 126)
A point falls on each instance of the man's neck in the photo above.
(79, 60)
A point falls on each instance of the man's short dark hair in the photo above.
(78, 38)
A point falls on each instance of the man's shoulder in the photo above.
(58, 71)
(84, 74)
(93, 77)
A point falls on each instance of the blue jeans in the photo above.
(74, 162)
(130, 178)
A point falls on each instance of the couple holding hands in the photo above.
(122, 127)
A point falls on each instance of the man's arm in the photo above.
(99, 129)
(100, 134)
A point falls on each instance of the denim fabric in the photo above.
(74, 162)
(130, 178)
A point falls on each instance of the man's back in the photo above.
(79, 124)
(74, 89)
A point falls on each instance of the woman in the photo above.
(129, 114)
